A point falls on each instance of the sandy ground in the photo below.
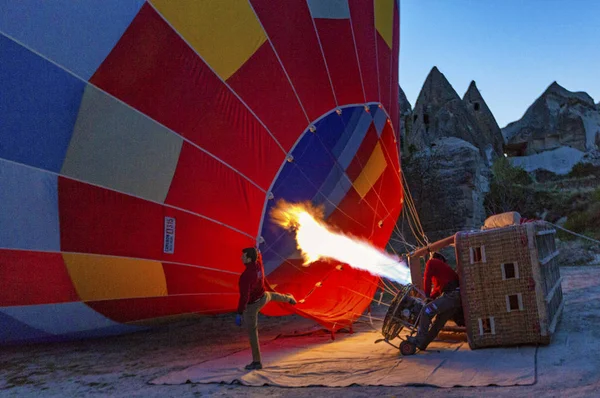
(122, 366)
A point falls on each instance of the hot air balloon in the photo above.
(143, 144)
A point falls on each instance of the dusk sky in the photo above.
(513, 49)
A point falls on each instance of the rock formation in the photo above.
(484, 117)
(557, 118)
(448, 183)
(448, 150)
(448, 153)
(439, 112)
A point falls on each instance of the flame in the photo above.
(318, 241)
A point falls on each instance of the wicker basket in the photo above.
(510, 284)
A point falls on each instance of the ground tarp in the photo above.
(354, 359)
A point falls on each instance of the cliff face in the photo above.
(448, 183)
(405, 119)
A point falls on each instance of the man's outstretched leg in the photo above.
(281, 298)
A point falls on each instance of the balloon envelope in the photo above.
(143, 144)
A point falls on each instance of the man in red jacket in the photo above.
(253, 297)
(441, 285)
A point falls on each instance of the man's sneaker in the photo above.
(254, 366)
(292, 300)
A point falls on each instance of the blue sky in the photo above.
(513, 49)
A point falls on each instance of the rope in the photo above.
(573, 233)
(412, 226)
(410, 203)
(391, 290)
(413, 212)
(404, 242)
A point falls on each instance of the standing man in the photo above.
(253, 297)
(441, 285)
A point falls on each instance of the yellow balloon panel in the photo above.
(384, 19)
(110, 278)
(224, 33)
(371, 172)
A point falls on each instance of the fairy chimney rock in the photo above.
(440, 112)
(484, 117)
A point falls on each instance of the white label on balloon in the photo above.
(169, 246)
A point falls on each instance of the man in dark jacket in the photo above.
(253, 297)
(441, 285)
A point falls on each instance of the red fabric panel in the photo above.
(202, 242)
(377, 199)
(389, 192)
(340, 54)
(292, 277)
(340, 300)
(212, 189)
(129, 310)
(390, 149)
(389, 189)
(262, 84)
(362, 13)
(394, 111)
(384, 55)
(101, 221)
(97, 220)
(228, 130)
(363, 153)
(152, 69)
(290, 28)
(30, 278)
(343, 297)
(182, 279)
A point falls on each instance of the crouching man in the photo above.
(253, 297)
(441, 285)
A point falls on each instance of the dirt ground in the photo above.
(122, 366)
